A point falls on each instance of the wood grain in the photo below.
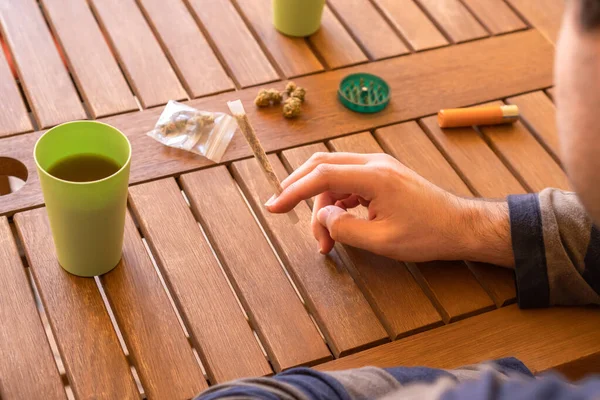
(448, 77)
(543, 15)
(477, 163)
(237, 46)
(13, 114)
(402, 302)
(293, 55)
(537, 169)
(449, 293)
(27, 366)
(529, 159)
(77, 316)
(45, 80)
(151, 77)
(499, 282)
(157, 345)
(336, 303)
(538, 112)
(282, 323)
(488, 177)
(408, 143)
(334, 43)
(369, 28)
(389, 287)
(412, 23)
(496, 15)
(95, 71)
(455, 19)
(217, 325)
(536, 337)
(189, 52)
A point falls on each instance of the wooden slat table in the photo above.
(212, 287)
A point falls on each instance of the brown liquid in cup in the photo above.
(84, 168)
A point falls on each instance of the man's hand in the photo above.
(409, 218)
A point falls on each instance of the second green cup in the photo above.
(297, 17)
(84, 174)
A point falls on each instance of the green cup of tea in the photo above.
(297, 17)
(84, 173)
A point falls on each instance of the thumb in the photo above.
(346, 228)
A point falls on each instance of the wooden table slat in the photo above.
(387, 284)
(186, 47)
(537, 337)
(79, 320)
(412, 23)
(477, 163)
(546, 16)
(455, 19)
(217, 325)
(344, 316)
(529, 159)
(13, 114)
(334, 43)
(151, 77)
(156, 342)
(369, 28)
(237, 46)
(443, 78)
(551, 93)
(46, 82)
(499, 282)
(449, 281)
(285, 328)
(496, 15)
(292, 54)
(489, 177)
(537, 110)
(95, 70)
(27, 365)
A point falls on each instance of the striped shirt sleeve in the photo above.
(556, 249)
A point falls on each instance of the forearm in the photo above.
(486, 232)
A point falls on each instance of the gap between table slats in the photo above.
(200, 289)
(293, 56)
(95, 71)
(453, 286)
(14, 117)
(190, 54)
(77, 315)
(282, 323)
(389, 287)
(147, 68)
(454, 19)
(368, 27)
(345, 317)
(233, 39)
(27, 365)
(44, 77)
(440, 71)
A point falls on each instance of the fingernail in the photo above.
(270, 201)
(322, 215)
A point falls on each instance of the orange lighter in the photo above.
(486, 115)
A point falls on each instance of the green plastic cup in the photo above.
(87, 219)
(297, 17)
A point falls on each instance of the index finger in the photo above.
(352, 179)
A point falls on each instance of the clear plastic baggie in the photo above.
(201, 132)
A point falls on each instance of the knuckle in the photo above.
(319, 157)
(323, 169)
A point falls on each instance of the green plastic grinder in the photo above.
(364, 93)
